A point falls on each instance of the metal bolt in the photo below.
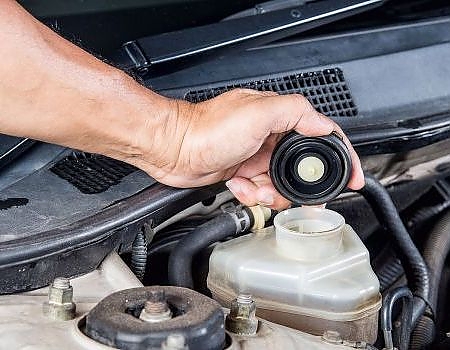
(296, 13)
(156, 308)
(332, 337)
(61, 283)
(174, 342)
(244, 299)
(242, 317)
(60, 305)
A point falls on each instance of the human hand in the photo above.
(232, 136)
(103, 110)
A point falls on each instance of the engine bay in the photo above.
(243, 278)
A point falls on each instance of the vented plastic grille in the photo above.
(326, 90)
(91, 173)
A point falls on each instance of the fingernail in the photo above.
(265, 199)
(232, 186)
(361, 172)
(362, 177)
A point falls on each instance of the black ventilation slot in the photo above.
(91, 173)
(326, 90)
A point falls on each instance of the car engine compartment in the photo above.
(301, 278)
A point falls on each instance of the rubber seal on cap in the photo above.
(292, 149)
(311, 169)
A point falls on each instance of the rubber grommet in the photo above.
(288, 153)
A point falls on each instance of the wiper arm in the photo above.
(171, 49)
(268, 6)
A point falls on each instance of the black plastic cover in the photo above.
(91, 173)
(12, 147)
(326, 90)
(292, 149)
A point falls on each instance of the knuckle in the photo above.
(303, 102)
(241, 91)
(269, 93)
(252, 92)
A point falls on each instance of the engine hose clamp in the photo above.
(241, 216)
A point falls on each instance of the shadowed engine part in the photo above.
(115, 321)
(415, 267)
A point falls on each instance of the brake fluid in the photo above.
(310, 170)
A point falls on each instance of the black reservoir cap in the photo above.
(310, 170)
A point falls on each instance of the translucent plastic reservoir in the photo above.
(310, 272)
(309, 233)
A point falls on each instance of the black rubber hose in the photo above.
(423, 335)
(215, 230)
(139, 255)
(391, 269)
(414, 265)
(388, 268)
(167, 244)
(425, 214)
(390, 273)
(436, 250)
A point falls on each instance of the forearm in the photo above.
(51, 90)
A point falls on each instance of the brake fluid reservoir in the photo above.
(310, 272)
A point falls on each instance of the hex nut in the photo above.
(242, 317)
(60, 305)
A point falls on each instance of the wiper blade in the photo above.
(173, 48)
